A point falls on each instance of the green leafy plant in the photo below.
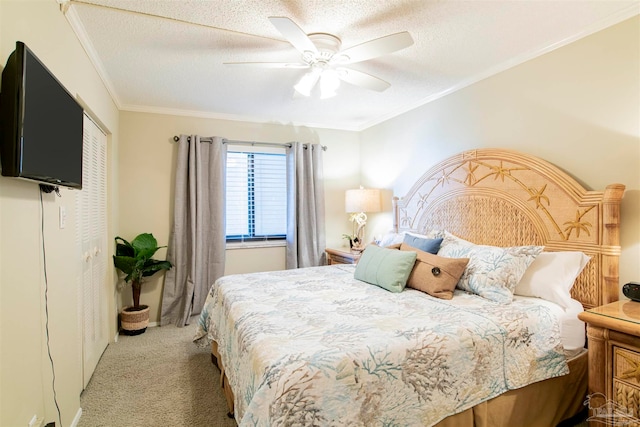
(353, 240)
(134, 260)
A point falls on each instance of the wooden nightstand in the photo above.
(613, 331)
(338, 256)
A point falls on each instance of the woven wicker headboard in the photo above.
(505, 198)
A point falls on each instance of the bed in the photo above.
(319, 347)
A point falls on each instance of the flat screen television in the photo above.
(41, 124)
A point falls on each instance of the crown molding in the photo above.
(70, 13)
(229, 117)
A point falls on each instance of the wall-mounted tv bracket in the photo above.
(50, 189)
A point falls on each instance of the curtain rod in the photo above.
(232, 142)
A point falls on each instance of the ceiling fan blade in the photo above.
(374, 48)
(292, 65)
(293, 34)
(359, 78)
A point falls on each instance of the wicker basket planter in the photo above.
(134, 321)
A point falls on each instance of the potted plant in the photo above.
(134, 260)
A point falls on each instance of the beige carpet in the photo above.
(159, 378)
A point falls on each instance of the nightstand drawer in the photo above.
(337, 256)
(337, 259)
(626, 365)
(627, 399)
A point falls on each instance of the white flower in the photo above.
(359, 218)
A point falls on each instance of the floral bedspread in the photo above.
(316, 347)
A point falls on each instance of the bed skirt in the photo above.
(542, 404)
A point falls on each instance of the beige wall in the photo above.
(147, 171)
(25, 372)
(577, 107)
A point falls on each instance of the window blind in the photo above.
(256, 194)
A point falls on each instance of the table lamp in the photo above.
(357, 202)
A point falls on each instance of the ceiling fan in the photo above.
(326, 61)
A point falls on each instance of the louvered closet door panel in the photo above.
(100, 241)
(91, 205)
(82, 245)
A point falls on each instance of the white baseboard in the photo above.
(76, 419)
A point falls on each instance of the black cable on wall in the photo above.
(46, 299)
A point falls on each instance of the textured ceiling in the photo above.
(167, 55)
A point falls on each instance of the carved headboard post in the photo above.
(396, 214)
(611, 241)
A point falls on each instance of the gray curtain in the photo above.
(197, 241)
(305, 206)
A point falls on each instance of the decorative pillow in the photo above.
(431, 234)
(387, 268)
(433, 274)
(391, 238)
(552, 275)
(492, 272)
(424, 244)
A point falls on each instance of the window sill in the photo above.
(254, 245)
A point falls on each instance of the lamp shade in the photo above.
(362, 200)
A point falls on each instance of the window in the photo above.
(256, 195)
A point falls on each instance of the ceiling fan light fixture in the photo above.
(340, 59)
(329, 83)
(307, 82)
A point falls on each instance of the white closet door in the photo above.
(91, 214)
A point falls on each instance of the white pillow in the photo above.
(492, 272)
(552, 275)
(392, 238)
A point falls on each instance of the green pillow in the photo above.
(387, 268)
